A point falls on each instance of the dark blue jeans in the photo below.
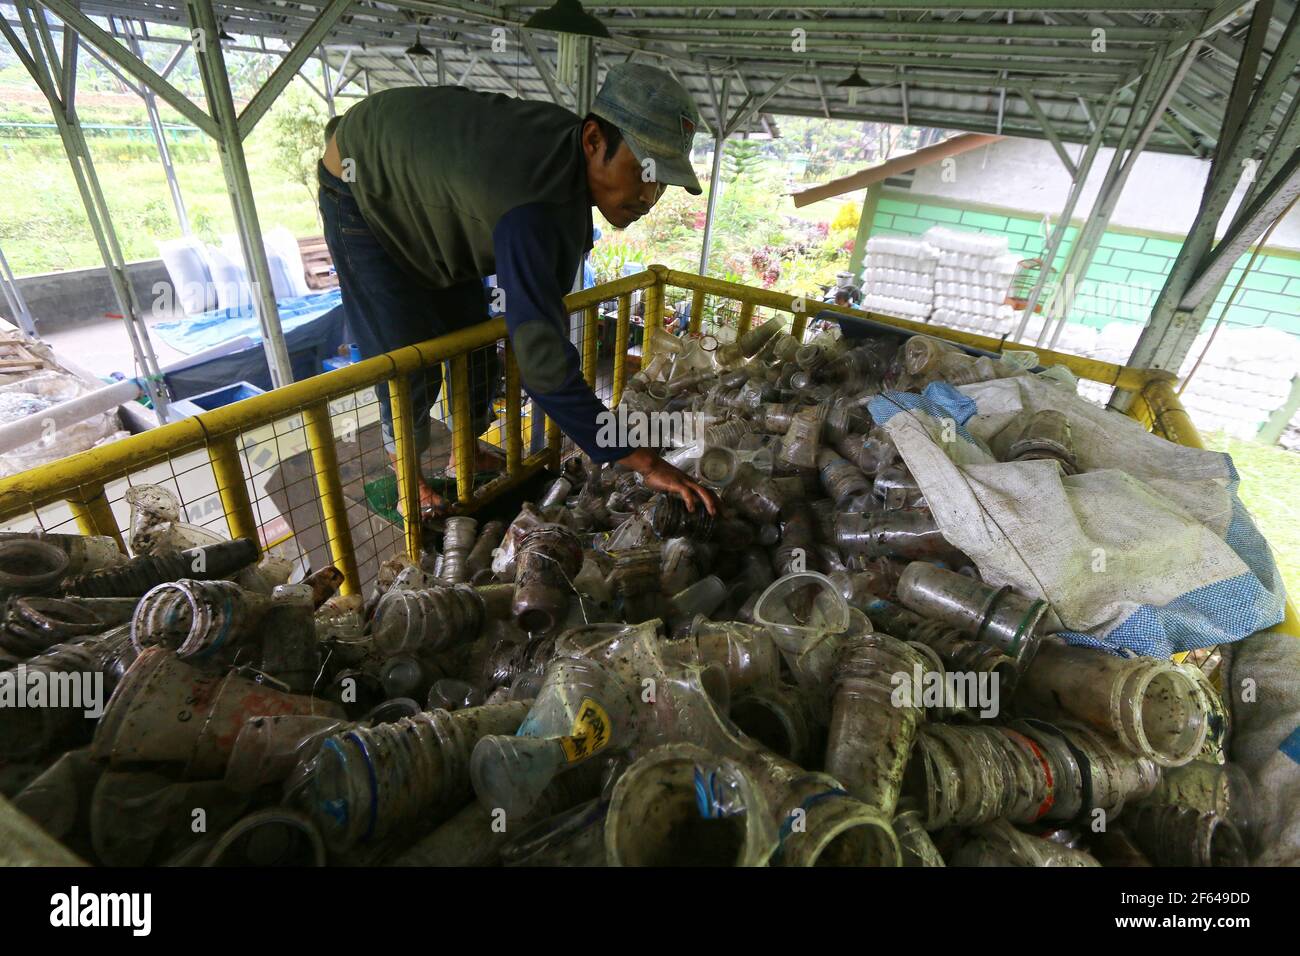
(387, 308)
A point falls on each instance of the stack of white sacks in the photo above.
(899, 277)
(1245, 377)
(961, 280)
(971, 281)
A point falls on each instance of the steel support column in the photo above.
(1200, 268)
(44, 66)
(1158, 85)
(869, 204)
(159, 134)
(715, 178)
(1078, 177)
(18, 310)
(216, 87)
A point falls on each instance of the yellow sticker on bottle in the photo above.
(590, 732)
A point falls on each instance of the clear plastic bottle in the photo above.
(872, 725)
(1152, 707)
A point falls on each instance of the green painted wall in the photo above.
(1126, 274)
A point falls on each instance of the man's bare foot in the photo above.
(484, 460)
(430, 501)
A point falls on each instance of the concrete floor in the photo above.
(103, 346)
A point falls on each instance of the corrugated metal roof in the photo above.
(962, 67)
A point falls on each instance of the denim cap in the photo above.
(657, 118)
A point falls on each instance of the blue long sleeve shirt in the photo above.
(538, 251)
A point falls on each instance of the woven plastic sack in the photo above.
(1147, 549)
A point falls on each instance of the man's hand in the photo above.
(658, 475)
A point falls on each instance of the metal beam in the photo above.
(1032, 102)
(44, 65)
(1243, 84)
(132, 64)
(1085, 243)
(415, 70)
(543, 69)
(715, 177)
(745, 111)
(1089, 67)
(1172, 329)
(967, 47)
(342, 70)
(473, 61)
(159, 136)
(926, 6)
(290, 65)
(327, 81)
(1078, 178)
(137, 88)
(821, 95)
(13, 296)
(857, 26)
(216, 87)
(1273, 200)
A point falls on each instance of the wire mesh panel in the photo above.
(321, 472)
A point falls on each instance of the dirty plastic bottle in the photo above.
(701, 598)
(166, 711)
(957, 651)
(1183, 836)
(85, 552)
(912, 535)
(681, 805)
(744, 651)
(550, 557)
(274, 837)
(635, 579)
(965, 776)
(457, 541)
(1046, 436)
(140, 574)
(581, 709)
(754, 340)
(433, 618)
(754, 495)
(841, 478)
(802, 440)
(1209, 786)
(267, 749)
(198, 619)
(1000, 844)
(368, 783)
(997, 616)
(870, 452)
(896, 489)
(29, 566)
(478, 565)
(873, 725)
(670, 519)
(1151, 706)
(778, 717)
(918, 848)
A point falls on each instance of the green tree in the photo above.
(740, 158)
(298, 122)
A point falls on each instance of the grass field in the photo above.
(1269, 477)
(43, 226)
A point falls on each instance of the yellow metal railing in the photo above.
(79, 481)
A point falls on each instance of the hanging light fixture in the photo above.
(853, 82)
(224, 38)
(417, 48)
(567, 16)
